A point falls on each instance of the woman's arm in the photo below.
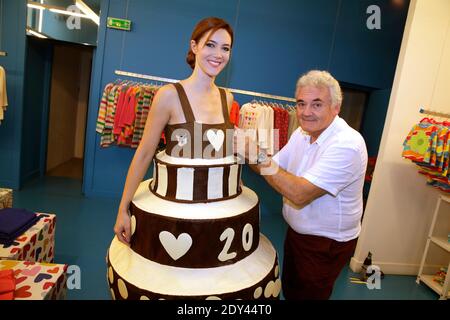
(158, 117)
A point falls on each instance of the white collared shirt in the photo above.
(335, 162)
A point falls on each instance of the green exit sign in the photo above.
(120, 24)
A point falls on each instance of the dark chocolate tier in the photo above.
(197, 235)
(189, 183)
(208, 242)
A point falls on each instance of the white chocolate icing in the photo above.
(162, 179)
(215, 183)
(163, 156)
(233, 179)
(148, 202)
(185, 183)
(162, 279)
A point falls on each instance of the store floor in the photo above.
(84, 231)
(70, 169)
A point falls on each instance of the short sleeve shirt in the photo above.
(336, 162)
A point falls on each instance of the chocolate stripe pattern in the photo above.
(193, 184)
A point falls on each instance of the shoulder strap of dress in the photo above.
(223, 99)
(185, 105)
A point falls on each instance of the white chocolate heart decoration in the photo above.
(133, 224)
(268, 291)
(215, 138)
(175, 247)
(277, 288)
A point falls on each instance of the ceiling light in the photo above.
(87, 11)
(35, 33)
(35, 6)
(69, 13)
(61, 10)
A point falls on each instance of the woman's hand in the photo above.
(122, 228)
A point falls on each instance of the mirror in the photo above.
(74, 21)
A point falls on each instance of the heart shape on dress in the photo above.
(22, 292)
(215, 138)
(19, 280)
(175, 247)
(31, 272)
(33, 239)
(38, 253)
(42, 276)
(48, 285)
(54, 270)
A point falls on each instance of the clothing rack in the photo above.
(435, 113)
(249, 93)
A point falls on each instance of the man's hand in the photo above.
(244, 147)
(248, 151)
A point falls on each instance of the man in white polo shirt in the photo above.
(321, 177)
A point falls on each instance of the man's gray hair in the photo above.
(317, 78)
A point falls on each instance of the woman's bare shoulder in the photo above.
(167, 91)
(166, 96)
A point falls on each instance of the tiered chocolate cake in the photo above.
(195, 232)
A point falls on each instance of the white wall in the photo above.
(400, 204)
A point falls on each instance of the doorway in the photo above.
(69, 99)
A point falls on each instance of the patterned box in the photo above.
(37, 281)
(6, 198)
(36, 244)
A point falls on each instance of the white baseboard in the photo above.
(394, 268)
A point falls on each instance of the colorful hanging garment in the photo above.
(123, 111)
(428, 145)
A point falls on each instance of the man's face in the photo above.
(315, 111)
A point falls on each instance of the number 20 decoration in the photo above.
(228, 235)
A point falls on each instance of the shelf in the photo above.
(441, 242)
(438, 235)
(428, 280)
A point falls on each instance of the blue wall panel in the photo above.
(35, 108)
(161, 32)
(13, 41)
(363, 56)
(373, 121)
(277, 41)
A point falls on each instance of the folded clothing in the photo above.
(14, 222)
(7, 284)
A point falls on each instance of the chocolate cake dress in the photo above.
(195, 227)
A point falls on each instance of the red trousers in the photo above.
(311, 265)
